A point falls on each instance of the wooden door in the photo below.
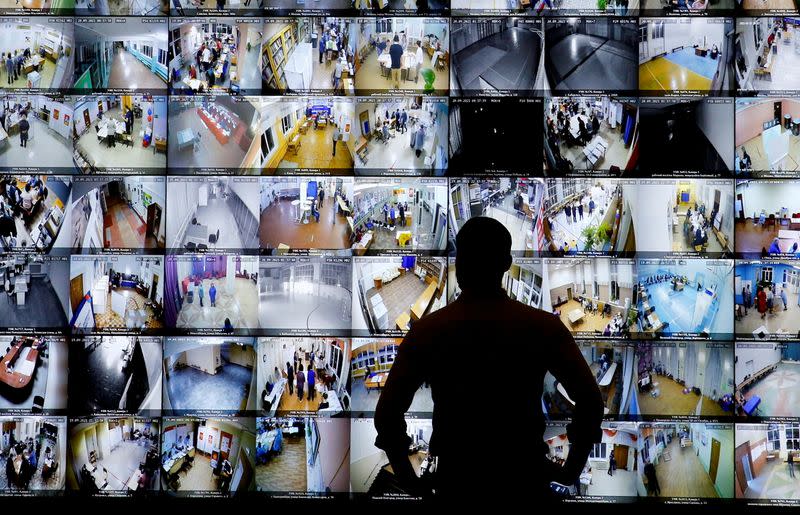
(153, 219)
(712, 470)
(153, 288)
(76, 292)
(225, 444)
(621, 455)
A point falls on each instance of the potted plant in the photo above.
(603, 234)
(601, 5)
(589, 234)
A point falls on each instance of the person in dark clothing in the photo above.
(290, 377)
(402, 215)
(652, 479)
(612, 464)
(24, 127)
(483, 312)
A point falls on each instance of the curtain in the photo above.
(691, 366)
(172, 294)
(713, 387)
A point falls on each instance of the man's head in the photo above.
(483, 253)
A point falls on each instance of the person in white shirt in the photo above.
(419, 57)
(28, 196)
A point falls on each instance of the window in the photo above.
(162, 57)
(766, 274)
(598, 451)
(147, 50)
(267, 143)
(793, 436)
(286, 123)
(773, 438)
(552, 193)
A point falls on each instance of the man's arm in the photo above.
(569, 367)
(404, 380)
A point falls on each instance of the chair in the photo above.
(191, 246)
(38, 404)
(202, 246)
(213, 238)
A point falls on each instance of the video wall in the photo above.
(219, 220)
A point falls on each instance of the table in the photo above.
(334, 404)
(608, 376)
(23, 364)
(197, 233)
(342, 205)
(376, 381)
(185, 138)
(403, 320)
(751, 405)
(194, 84)
(575, 316)
(133, 482)
(655, 321)
(214, 126)
(294, 144)
(419, 307)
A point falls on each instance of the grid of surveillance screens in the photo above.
(201, 200)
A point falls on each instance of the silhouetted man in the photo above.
(473, 337)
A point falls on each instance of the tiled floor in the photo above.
(364, 400)
(779, 319)
(120, 464)
(209, 152)
(779, 393)
(369, 76)
(278, 226)
(591, 62)
(328, 309)
(120, 155)
(136, 301)
(240, 306)
(396, 153)
(774, 482)
(47, 73)
(42, 307)
(217, 215)
(192, 389)
(45, 147)
(507, 60)
(129, 72)
(286, 471)
(785, 67)
(760, 160)
(398, 296)
(621, 483)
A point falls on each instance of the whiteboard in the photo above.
(776, 145)
(118, 303)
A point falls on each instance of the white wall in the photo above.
(769, 196)
(761, 356)
(715, 122)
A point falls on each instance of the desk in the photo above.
(608, 376)
(31, 64)
(655, 322)
(751, 405)
(197, 233)
(334, 404)
(423, 301)
(22, 359)
(294, 144)
(214, 126)
(376, 381)
(403, 320)
(342, 205)
(194, 84)
(185, 138)
(133, 482)
(575, 316)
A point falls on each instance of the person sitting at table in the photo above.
(775, 247)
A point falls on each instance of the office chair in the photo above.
(202, 246)
(38, 404)
(213, 238)
(191, 246)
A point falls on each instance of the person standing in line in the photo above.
(336, 134)
(568, 212)
(322, 192)
(301, 381)
(310, 379)
(386, 213)
(612, 464)
(402, 214)
(761, 300)
(290, 377)
(24, 127)
(784, 299)
(396, 53)
(200, 292)
(212, 295)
